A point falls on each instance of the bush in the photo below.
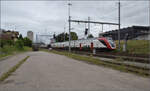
(27, 42)
(19, 44)
(7, 49)
(6, 42)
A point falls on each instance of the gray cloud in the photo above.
(51, 16)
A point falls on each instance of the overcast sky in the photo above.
(47, 17)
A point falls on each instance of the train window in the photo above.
(111, 43)
(108, 38)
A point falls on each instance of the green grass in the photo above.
(13, 69)
(136, 46)
(96, 61)
(10, 50)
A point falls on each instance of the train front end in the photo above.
(108, 42)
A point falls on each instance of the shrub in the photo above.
(7, 49)
(6, 42)
(27, 42)
(19, 44)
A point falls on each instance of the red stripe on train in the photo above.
(107, 43)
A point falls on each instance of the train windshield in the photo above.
(110, 40)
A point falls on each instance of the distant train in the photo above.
(102, 43)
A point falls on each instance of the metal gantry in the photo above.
(104, 23)
(95, 22)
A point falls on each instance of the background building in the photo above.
(134, 32)
(9, 35)
(30, 35)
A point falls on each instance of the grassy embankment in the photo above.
(96, 61)
(11, 50)
(11, 70)
(136, 47)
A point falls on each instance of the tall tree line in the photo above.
(65, 37)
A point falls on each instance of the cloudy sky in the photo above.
(47, 17)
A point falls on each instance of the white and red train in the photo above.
(86, 44)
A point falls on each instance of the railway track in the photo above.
(136, 62)
(126, 58)
(129, 65)
(112, 56)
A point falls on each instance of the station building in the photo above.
(134, 33)
(8, 35)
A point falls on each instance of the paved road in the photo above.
(51, 72)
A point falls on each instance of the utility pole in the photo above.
(64, 33)
(88, 26)
(119, 24)
(69, 4)
(36, 39)
(102, 28)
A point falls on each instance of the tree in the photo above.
(27, 42)
(60, 37)
(65, 37)
(74, 36)
(90, 36)
(4, 42)
(20, 37)
(54, 36)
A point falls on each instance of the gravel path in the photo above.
(51, 72)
